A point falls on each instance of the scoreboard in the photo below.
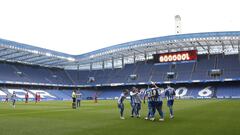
(175, 56)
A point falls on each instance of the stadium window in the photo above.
(128, 60)
(97, 65)
(108, 64)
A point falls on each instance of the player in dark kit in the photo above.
(26, 97)
(6, 99)
(74, 96)
(36, 98)
(95, 97)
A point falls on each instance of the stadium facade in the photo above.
(213, 73)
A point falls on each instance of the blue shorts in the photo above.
(138, 106)
(132, 104)
(158, 104)
(120, 105)
(170, 103)
(151, 104)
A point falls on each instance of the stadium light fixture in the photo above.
(35, 51)
(70, 59)
(48, 54)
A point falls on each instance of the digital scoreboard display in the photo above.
(176, 56)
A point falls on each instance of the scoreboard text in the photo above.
(176, 56)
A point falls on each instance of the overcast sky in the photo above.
(80, 26)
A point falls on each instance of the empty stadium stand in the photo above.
(145, 72)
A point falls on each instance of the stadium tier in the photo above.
(190, 91)
(144, 72)
(201, 65)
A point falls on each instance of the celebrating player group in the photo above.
(154, 98)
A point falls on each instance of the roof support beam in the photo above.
(117, 54)
(134, 57)
(29, 58)
(19, 56)
(56, 62)
(91, 66)
(121, 53)
(122, 60)
(39, 58)
(103, 65)
(231, 43)
(11, 53)
(145, 56)
(137, 50)
(64, 64)
(223, 47)
(46, 60)
(112, 63)
(200, 45)
(208, 47)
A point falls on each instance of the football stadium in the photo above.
(202, 68)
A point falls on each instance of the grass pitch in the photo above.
(192, 117)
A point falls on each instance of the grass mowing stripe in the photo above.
(56, 117)
(35, 112)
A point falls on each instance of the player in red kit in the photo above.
(36, 98)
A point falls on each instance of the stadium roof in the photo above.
(205, 43)
(22, 53)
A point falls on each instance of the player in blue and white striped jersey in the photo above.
(170, 95)
(136, 100)
(150, 99)
(158, 102)
(120, 102)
